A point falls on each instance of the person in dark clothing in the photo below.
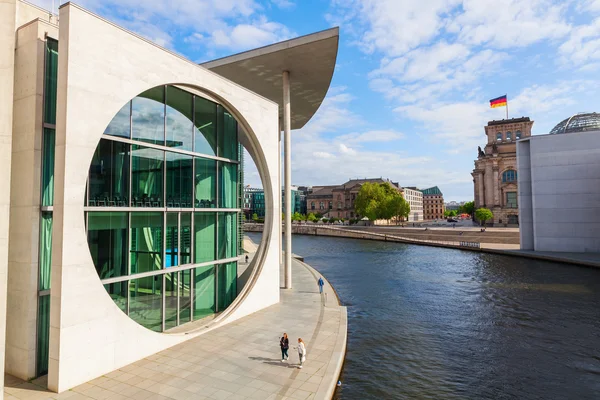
(284, 343)
(321, 284)
(246, 258)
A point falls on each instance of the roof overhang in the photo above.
(309, 59)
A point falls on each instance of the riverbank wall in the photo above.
(496, 242)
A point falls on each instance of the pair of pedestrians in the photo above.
(284, 343)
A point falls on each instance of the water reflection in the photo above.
(432, 323)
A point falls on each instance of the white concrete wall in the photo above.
(565, 190)
(101, 67)
(25, 199)
(7, 52)
(524, 200)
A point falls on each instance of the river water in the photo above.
(434, 323)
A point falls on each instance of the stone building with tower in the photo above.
(495, 173)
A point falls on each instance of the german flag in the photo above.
(498, 102)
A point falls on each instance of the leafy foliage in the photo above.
(380, 201)
(467, 208)
(483, 215)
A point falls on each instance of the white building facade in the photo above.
(414, 197)
(559, 194)
(120, 178)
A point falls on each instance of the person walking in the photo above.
(321, 283)
(301, 352)
(284, 343)
(246, 258)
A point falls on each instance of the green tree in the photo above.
(255, 217)
(467, 208)
(450, 213)
(483, 215)
(312, 217)
(369, 200)
(297, 216)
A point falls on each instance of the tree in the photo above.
(483, 215)
(380, 201)
(255, 217)
(467, 208)
(297, 216)
(450, 213)
(312, 217)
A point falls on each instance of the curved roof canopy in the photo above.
(578, 123)
(309, 59)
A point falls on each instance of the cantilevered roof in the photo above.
(310, 60)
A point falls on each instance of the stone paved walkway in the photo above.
(241, 360)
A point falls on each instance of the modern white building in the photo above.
(559, 187)
(119, 175)
(414, 197)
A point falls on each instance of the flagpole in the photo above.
(506, 106)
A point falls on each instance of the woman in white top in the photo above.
(301, 352)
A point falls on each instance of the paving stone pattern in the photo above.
(241, 360)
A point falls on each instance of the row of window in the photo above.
(162, 302)
(123, 243)
(172, 117)
(123, 175)
(508, 136)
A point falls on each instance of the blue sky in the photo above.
(409, 96)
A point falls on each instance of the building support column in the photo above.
(287, 124)
(279, 196)
(7, 76)
(480, 184)
(496, 184)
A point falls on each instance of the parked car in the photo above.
(451, 220)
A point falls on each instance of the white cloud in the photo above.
(284, 4)
(230, 24)
(583, 45)
(246, 36)
(371, 136)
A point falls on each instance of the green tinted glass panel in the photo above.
(48, 167)
(109, 175)
(118, 292)
(171, 291)
(228, 185)
(121, 123)
(172, 236)
(146, 235)
(180, 125)
(227, 282)
(50, 81)
(228, 140)
(185, 296)
(204, 292)
(204, 237)
(148, 116)
(185, 239)
(205, 182)
(147, 177)
(107, 240)
(227, 235)
(205, 132)
(180, 180)
(145, 302)
(45, 251)
(43, 335)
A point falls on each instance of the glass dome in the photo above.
(578, 123)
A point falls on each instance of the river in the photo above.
(435, 323)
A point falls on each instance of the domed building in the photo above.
(582, 122)
(558, 186)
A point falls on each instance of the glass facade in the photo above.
(163, 205)
(46, 201)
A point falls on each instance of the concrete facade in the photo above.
(89, 334)
(559, 192)
(495, 186)
(414, 197)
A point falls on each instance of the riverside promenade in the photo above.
(241, 360)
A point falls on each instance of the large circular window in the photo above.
(163, 208)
